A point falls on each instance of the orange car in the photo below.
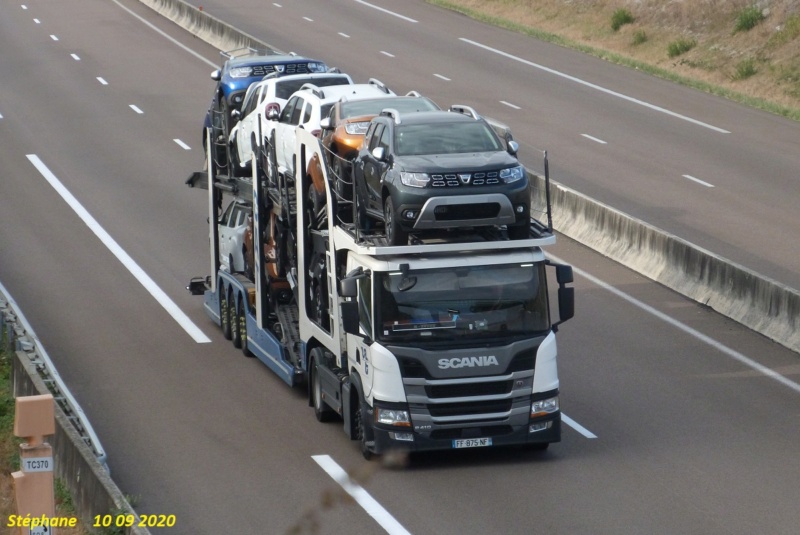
(343, 130)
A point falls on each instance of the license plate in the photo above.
(472, 442)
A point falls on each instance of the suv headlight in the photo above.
(317, 67)
(241, 72)
(512, 174)
(415, 180)
(392, 417)
(355, 129)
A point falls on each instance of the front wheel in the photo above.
(361, 430)
(322, 412)
(394, 232)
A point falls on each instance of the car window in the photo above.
(307, 113)
(285, 88)
(368, 135)
(376, 136)
(286, 114)
(445, 138)
(296, 111)
(383, 141)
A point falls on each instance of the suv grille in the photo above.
(482, 178)
(289, 68)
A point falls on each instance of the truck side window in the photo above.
(365, 305)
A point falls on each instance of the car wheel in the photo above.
(225, 314)
(394, 233)
(322, 412)
(519, 232)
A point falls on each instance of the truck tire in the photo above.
(225, 313)
(360, 424)
(236, 334)
(241, 317)
(322, 411)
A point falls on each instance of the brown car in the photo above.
(343, 130)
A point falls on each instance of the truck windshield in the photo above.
(462, 304)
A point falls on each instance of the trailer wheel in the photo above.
(236, 334)
(322, 411)
(242, 319)
(360, 425)
(225, 314)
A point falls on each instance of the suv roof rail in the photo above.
(465, 110)
(247, 51)
(319, 93)
(334, 70)
(391, 112)
(413, 94)
(380, 85)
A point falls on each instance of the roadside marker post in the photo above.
(34, 419)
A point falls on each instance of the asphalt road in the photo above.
(681, 420)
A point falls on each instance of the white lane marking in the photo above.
(75, 57)
(595, 86)
(308, 19)
(361, 496)
(399, 16)
(182, 145)
(510, 105)
(387, 54)
(53, 37)
(576, 426)
(23, 6)
(597, 140)
(186, 48)
(135, 108)
(37, 21)
(145, 280)
(701, 182)
(344, 35)
(276, 5)
(747, 361)
(445, 78)
(102, 81)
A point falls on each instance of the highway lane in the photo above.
(713, 172)
(685, 434)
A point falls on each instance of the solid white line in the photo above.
(387, 54)
(576, 426)
(145, 280)
(102, 81)
(182, 145)
(276, 5)
(75, 57)
(386, 11)
(23, 6)
(186, 48)
(1, 115)
(53, 37)
(135, 108)
(510, 105)
(594, 86)
(361, 496)
(747, 361)
(706, 184)
(37, 21)
(308, 19)
(344, 35)
(587, 136)
(445, 78)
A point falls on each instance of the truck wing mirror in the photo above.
(566, 304)
(563, 274)
(348, 287)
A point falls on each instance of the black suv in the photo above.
(440, 169)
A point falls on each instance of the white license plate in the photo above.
(472, 442)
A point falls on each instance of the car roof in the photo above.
(310, 75)
(434, 116)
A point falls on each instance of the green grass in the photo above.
(639, 37)
(620, 18)
(745, 69)
(747, 19)
(681, 46)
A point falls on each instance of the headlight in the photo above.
(241, 72)
(317, 67)
(544, 407)
(512, 174)
(355, 129)
(415, 180)
(392, 417)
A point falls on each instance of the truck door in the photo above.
(358, 348)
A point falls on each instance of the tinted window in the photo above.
(376, 136)
(296, 111)
(287, 111)
(445, 138)
(357, 108)
(285, 88)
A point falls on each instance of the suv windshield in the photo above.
(445, 138)
(465, 304)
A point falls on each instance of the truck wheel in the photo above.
(241, 317)
(361, 434)
(225, 314)
(394, 233)
(322, 412)
(236, 334)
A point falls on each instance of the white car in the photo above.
(232, 229)
(305, 109)
(274, 90)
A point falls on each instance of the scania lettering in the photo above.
(468, 362)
